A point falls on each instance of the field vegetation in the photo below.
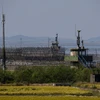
(46, 74)
(21, 83)
(43, 90)
(47, 98)
(45, 93)
(88, 85)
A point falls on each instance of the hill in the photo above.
(26, 41)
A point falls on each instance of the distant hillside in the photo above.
(95, 39)
(25, 41)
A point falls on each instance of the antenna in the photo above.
(82, 44)
(78, 38)
(2, 6)
(56, 39)
(82, 41)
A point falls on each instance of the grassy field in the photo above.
(45, 93)
(47, 98)
(89, 85)
(42, 90)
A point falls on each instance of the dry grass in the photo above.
(42, 90)
(89, 85)
(47, 98)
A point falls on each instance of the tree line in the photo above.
(47, 74)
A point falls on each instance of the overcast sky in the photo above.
(48, 17)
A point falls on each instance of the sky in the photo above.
(45, 18)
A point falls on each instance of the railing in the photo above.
(83, 61)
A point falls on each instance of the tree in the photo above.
(23, 76)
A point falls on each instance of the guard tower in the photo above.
(55, 46)
(58, 52)
(81, 53)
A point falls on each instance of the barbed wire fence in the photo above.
(31, 56)
(40, 55)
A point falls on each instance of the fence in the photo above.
(33, 56)
(40, 56)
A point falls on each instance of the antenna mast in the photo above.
(3, 49)
(56, 39)
(78, 38)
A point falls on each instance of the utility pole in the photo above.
(3, 49)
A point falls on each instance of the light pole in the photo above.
(3, 49)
